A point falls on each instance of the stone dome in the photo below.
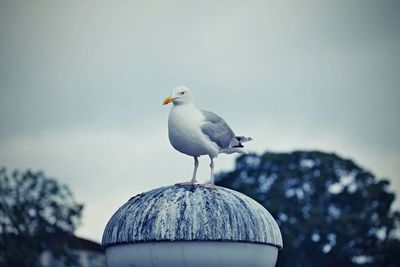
(191, 213)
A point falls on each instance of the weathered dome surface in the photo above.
(191, 213)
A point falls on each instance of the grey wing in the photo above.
(217, 130)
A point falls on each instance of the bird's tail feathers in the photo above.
(238, 140)
(243, 139)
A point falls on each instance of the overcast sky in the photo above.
(81, 85)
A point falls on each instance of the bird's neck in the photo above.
(184, 109)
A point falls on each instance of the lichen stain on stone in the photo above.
(188, 213)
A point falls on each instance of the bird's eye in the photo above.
(182, 93)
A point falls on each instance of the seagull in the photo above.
(196, 132)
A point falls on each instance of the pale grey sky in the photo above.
(81, 85)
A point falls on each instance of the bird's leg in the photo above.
(196, 165)
(211, 184)
(212, 170)
(193, 181)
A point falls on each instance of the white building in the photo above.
(89, 254)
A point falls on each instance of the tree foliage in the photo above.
(331, 212)
(36, 214)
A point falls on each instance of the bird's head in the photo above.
(179, 95)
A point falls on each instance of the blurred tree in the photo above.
(36, 214)
(331, 212)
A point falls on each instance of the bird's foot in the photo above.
(209, 186)
(191, 182)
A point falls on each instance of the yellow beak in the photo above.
(167, 100)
